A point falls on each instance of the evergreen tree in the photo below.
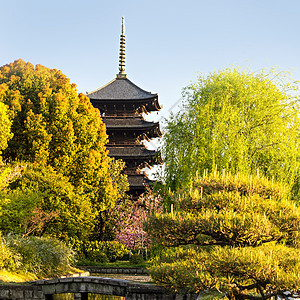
(233, 234)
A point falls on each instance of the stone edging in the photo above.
(114, 270)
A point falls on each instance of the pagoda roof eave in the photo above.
(132, 124)
(154, 96)
(140, 105)
(157, 105)
(158, 131)
(132, 127)
(133, 157)
(120, 89)
(127, 157)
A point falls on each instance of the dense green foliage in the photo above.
(238, 234)
(235, 120)
(98, 251)
(41, 201)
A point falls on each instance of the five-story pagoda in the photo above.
(122, 104)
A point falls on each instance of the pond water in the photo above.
(70, 296)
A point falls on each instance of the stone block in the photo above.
(104, 289)
(38, 294)
(60, 288)
(68, 287)
(4, 293)
(120, 291)
(48, 289)
(17, 294)
(73, 287)
(82, 287)
(28, 294)
(91, 287)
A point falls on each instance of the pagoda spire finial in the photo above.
(122, 73)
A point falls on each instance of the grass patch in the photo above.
(15, 277)
(21, 277)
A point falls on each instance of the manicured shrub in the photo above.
(136, 259)
(97, 256)
(112, 249)
(115, 250)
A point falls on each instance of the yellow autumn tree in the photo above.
(53, 125)
(5, 124)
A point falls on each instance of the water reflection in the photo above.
(69, 296)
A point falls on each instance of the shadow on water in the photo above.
(69, 296)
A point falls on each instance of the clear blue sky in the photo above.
(167, 42)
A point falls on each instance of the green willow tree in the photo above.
(235, 120)
(54, 127)
(237, 235)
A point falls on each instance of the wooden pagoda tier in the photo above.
(137, 129)
(135, 158)
(122, 104)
